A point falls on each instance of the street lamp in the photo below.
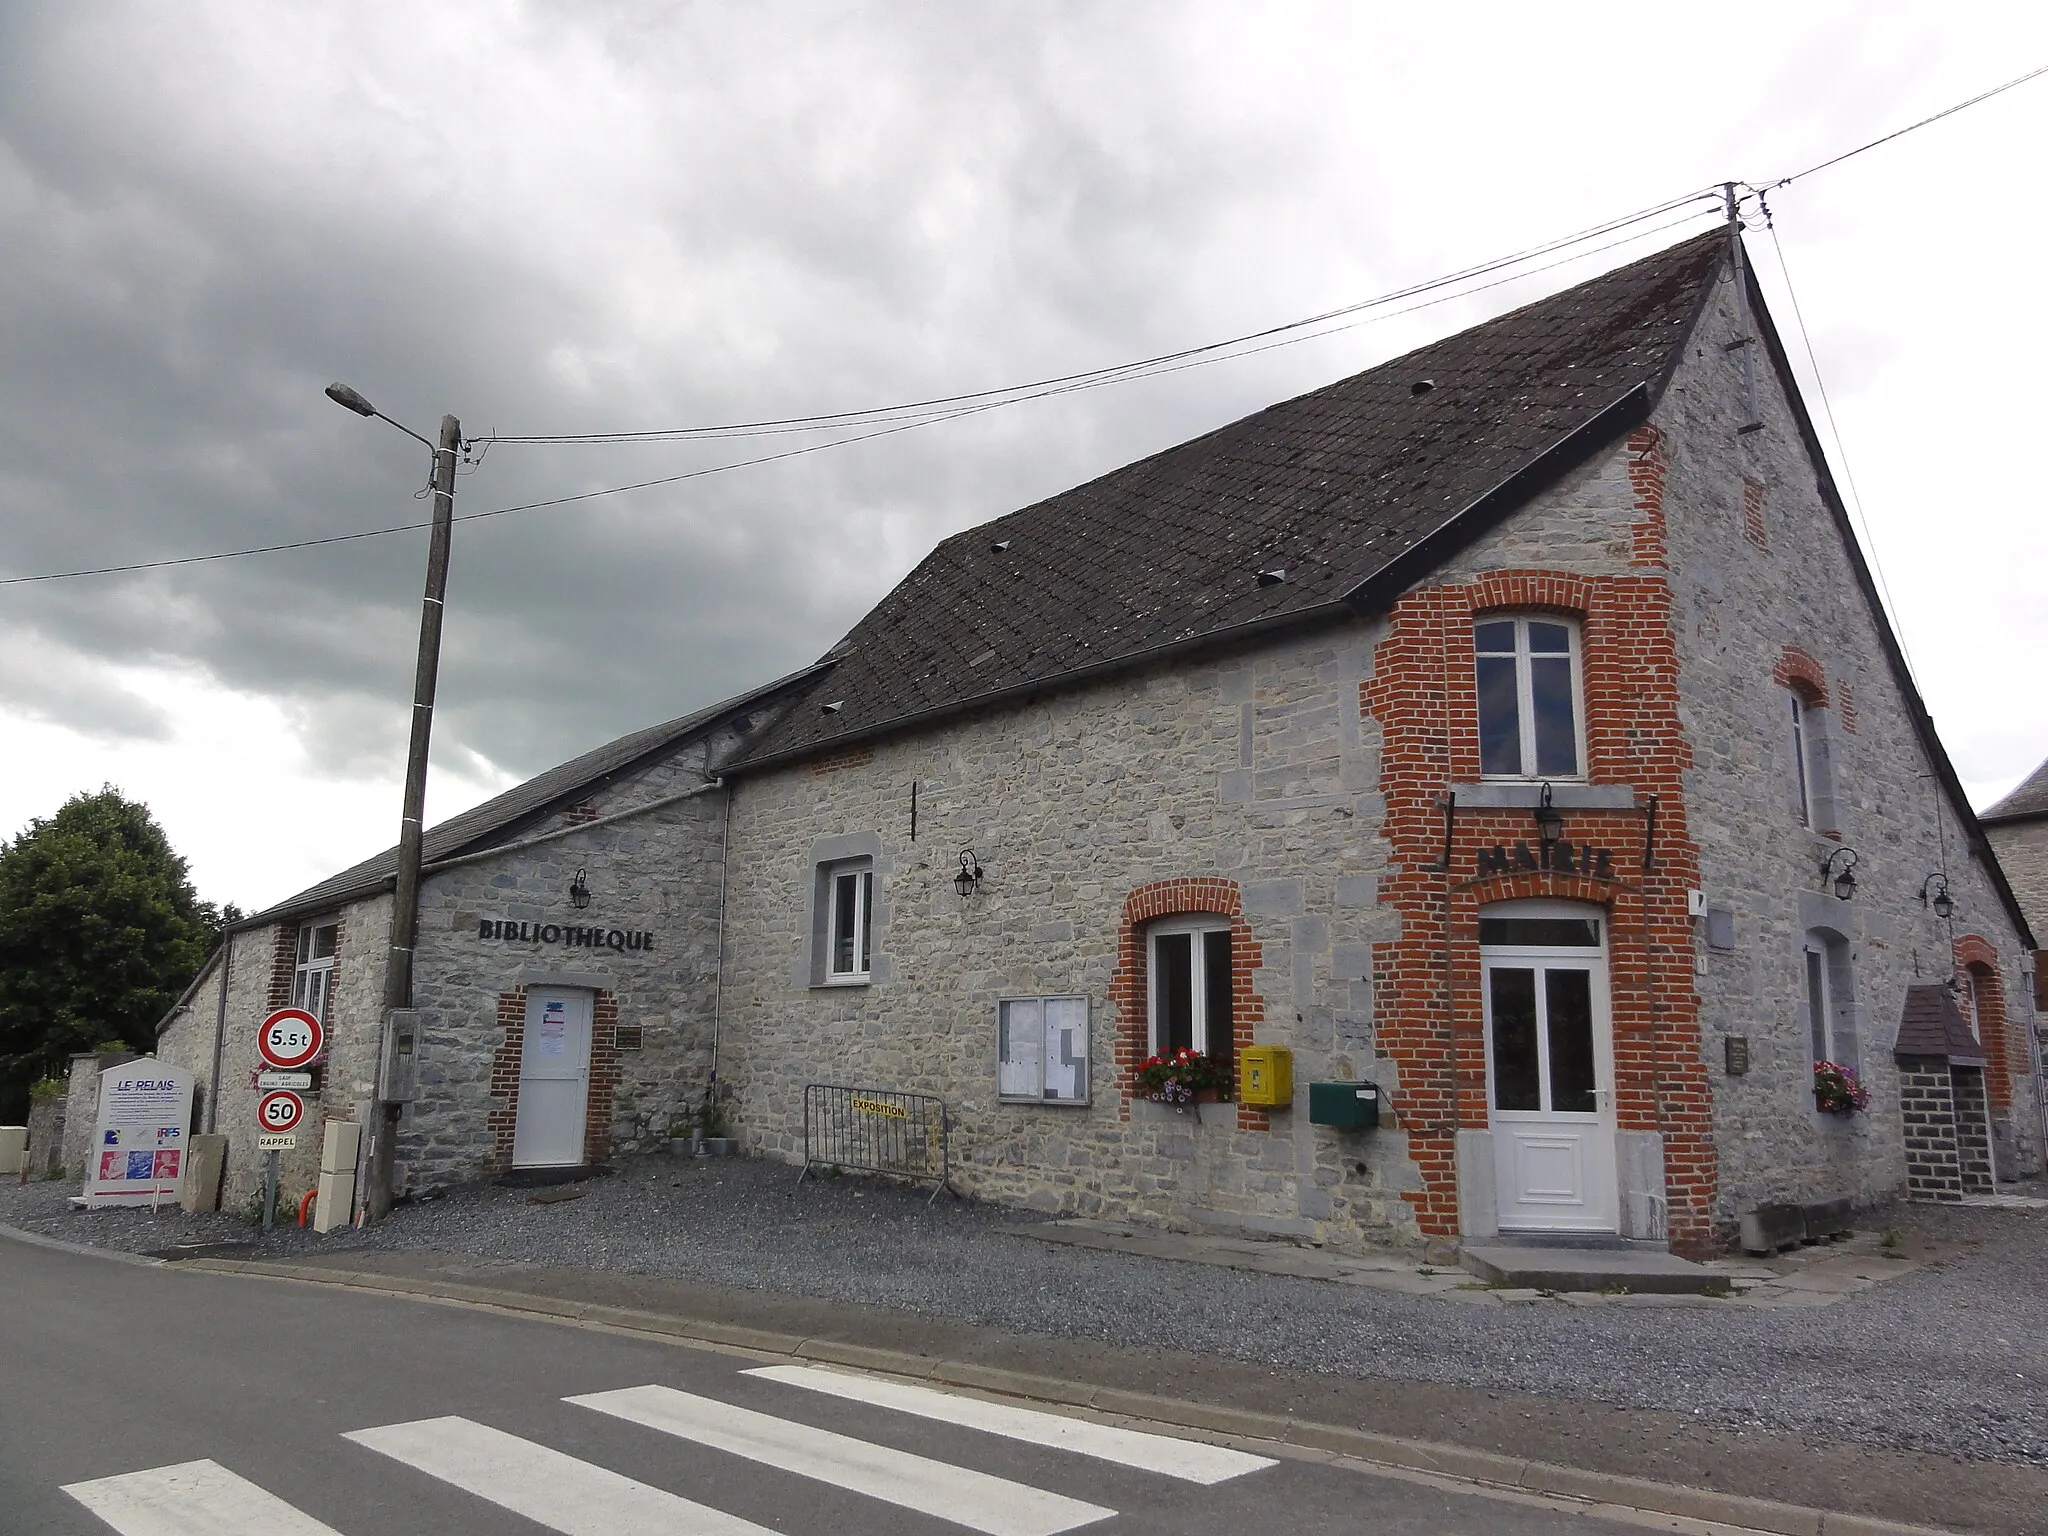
(405, 891)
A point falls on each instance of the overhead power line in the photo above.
(864, 425)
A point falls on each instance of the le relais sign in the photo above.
(568, 935)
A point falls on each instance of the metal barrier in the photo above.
(874, 1130)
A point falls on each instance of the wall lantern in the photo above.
(1549, 819)
(968, 881)
(1844, 878)
(1944, 904)
(579, 893)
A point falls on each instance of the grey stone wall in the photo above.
(2022, 850)
(1738, 606)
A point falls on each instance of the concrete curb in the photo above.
(1450, 1461)
(37, 1240)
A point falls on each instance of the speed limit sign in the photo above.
(279, 1111)
(290, 1038)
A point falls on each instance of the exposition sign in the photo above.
(290, 1038)
(139, 1136)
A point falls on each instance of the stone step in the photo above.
(1589, 1269)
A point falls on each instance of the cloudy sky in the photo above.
(618, 216)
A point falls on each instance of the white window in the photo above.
(1972, 1003)
(1802, 760)
(1190, 986)
(851, 892)
(313, 975)
(1530, 726)
(1042, 1050)
(1830, 1000)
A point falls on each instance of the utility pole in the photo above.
(405, 893)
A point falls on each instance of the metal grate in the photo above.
(875, 1130)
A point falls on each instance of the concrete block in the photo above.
(334, 1202)
(1824, 1218)
(1639, 1159)
(13, 1149)
(1771, 1227)
(205, 1159)
(339, 1145)
(1478, 1199)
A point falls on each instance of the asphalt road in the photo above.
(156, 1401)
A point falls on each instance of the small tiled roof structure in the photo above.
(1933, 1025)
(2026, 803)
(502, 817)
(1342, 497)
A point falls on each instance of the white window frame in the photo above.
(1025, 1046)
(313, 974)
(1200, 1033)
(1819, 983)
(856, 878)
(1802, 757)
(1525, 691)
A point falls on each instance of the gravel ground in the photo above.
(1951, 1359)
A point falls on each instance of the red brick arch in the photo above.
(1800, 672)
(1128, 989)
(1979, 956)
(1554, 591)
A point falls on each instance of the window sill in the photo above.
(1021, 1103)
(842, 981)
(1527, 794)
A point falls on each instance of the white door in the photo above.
(554, 1079)
(1550, 1066)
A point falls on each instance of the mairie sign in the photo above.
(1560, 858)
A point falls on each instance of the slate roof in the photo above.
(2024, 803)
(1933, 1025)
(495, 819)
(1354, 491)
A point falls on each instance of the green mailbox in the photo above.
(1348, 1106)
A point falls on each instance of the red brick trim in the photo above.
(1845, 705)
(1426, 982)
(1129, 990)
(1979, 956)
(284, 960)
(1648, 464)
(579, 813)
(845, 757)
(1753, 513)
(1555, 591)
(503, 1121)
(1798, 671)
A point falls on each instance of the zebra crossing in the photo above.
(567, 1494)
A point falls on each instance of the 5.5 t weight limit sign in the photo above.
(279, 1112)
(290, 1038)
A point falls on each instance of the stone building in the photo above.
(581, 908)
(1512, 727)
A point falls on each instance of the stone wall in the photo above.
(1242, 786)
(2022, 850)
(1764, 598)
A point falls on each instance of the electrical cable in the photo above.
(1849, 154)
(1082, 381)
(1841, 451)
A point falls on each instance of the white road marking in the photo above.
(993, 1505)
(544, 1485)
(194, 1498)
(1189, 1460)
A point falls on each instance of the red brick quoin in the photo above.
(604, 1076)
(1128, 987)
(1427, 982)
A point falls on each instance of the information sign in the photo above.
(269, 1142)
(290, 1038)
(265, 1081)
(139, 1135)
(278, 1111)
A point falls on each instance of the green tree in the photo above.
(100, 931)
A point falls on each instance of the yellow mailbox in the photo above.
(1268, 1075)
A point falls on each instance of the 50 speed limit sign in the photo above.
(290, 1038)
(279, 1111)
